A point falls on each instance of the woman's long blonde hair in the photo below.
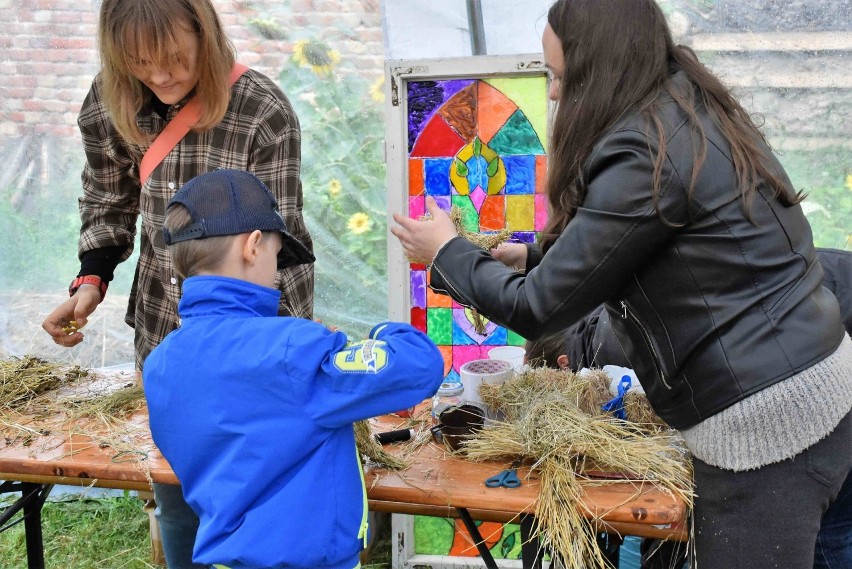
(154, 27)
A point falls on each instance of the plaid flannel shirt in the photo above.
(259, 133)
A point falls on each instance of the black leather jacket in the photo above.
(708, 312)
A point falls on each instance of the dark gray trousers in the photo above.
(771, 517)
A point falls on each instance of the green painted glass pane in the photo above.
(530, 94)
(517, 137)
(439, 325)
(470, 218)
(514, 339)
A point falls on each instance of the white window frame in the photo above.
(397, 73)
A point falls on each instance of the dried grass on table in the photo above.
(367, 445)
(593, 392)
(639, 411)
(46, 404)
(121, 403)
(554, 424)
(25, 378)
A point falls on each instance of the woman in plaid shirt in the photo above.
(156, 55)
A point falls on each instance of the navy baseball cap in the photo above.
(231, 202)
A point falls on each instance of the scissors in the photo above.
(507, 478)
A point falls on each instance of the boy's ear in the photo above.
(251, 246)
(562, 361)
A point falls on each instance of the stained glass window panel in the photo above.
(476, 145)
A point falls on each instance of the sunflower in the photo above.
(359, 223)
(377, 92)
(268, 28)
(334, 187)
(849, 181)
(316, 55)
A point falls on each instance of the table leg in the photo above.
(610, 547)
(532, 553)
(484, 553)
(31, 501)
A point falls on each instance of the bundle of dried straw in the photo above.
(368, 446)
(485, 239)
(553, 421)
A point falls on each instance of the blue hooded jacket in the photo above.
(254, 413)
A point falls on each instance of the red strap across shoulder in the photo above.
(177, 128)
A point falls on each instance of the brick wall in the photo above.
(49, 50)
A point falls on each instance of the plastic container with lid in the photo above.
(448, 395)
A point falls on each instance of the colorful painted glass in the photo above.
(477, 144)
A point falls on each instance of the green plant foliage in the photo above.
(86, 534)
(40, 222)
(113, 533)
(39, 218)
(343, 177)
(825, 175)
(26, 240)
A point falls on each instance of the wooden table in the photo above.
(436, 483)
(440, 484)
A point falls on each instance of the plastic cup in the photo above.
(512, 354)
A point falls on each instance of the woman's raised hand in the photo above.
(423, 239)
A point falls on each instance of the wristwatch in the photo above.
(90, 280)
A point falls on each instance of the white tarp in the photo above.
(420, 30)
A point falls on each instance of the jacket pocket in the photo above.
(647, 341)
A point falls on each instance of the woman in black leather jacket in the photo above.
(668, 206)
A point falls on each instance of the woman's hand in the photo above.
(512, 255)
(76, 309)
(422, 239)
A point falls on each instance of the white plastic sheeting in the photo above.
(787, 60)
(441, 28)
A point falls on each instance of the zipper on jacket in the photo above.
(627, 314)
(362, 532)
(457, 294)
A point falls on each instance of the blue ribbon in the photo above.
(616, 404)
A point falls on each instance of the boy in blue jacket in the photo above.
(253, 411)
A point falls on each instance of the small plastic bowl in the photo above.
(456, 424)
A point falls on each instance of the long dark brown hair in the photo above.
(619, 58)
